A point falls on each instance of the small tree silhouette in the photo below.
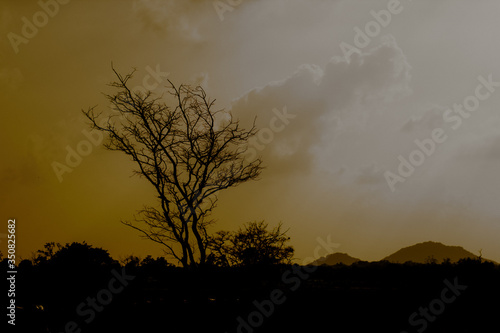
(252, 245)
(42, 256)
(75, 255)
(431, 260)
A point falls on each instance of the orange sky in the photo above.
(326, 167)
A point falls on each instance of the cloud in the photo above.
(428, 119)
(200, 79)
(352, 121)
(178, 18)
(324, 103)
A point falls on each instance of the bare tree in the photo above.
(188, 152)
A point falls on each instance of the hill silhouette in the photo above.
(429, 251)
(426, 252)
(336, 258)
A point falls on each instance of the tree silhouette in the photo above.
(252, 245)
(74, 254)
(188, 152)
(43, 256)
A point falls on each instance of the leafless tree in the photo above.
(188, 152)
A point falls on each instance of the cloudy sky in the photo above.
(381, 118)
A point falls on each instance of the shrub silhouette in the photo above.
(252, 245)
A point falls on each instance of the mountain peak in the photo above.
(425, 252)
(429, 251)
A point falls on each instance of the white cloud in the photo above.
(326, 102)
(180, 18)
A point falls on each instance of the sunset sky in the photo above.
(356, 104)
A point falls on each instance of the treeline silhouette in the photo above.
(151, 294)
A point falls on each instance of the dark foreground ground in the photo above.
(153, 297)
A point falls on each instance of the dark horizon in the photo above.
(145, 294)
